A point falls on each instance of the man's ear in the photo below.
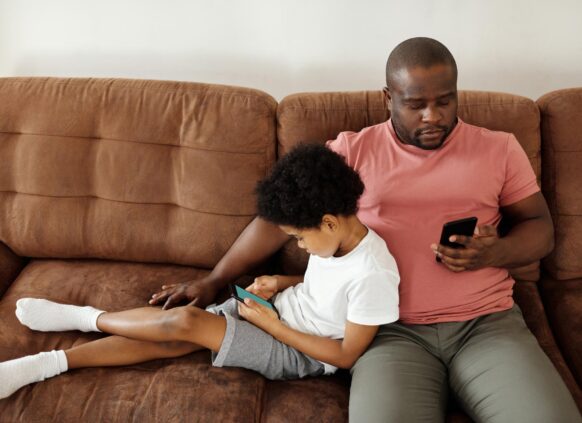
(330, 222)
(387, 98)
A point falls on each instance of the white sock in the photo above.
(47, 316)
(17, 373)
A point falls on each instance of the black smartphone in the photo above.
(240, 294)
(464, 227)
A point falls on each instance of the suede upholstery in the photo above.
(561, 285)
(111, 187)
(115, 168)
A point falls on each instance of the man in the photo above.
(460, 332)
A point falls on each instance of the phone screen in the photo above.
(240, 294)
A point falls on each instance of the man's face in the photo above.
(423, 105)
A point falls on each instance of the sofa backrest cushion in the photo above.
(561, 113)
(130, 170)
(318, 117)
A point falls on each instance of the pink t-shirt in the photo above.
(411, 192)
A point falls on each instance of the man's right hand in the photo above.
(199, 292)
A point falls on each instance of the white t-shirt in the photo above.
(361, 286)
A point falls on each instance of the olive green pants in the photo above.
(492, 365)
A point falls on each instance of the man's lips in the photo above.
(431, 131)
(431, 134)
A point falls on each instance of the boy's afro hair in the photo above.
(307, 183)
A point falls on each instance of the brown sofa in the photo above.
(110, 187)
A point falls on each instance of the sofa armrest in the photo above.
(527, 296)
(10, 266)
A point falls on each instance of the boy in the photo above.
(328, 317)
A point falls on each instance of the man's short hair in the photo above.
(418, 52)
(307, 183)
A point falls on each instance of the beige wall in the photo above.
(519, 46)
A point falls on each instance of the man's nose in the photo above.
(431, 114)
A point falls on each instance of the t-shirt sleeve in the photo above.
(339, 146)
(373, 300)
(520, 179)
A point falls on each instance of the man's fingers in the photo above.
(168, 286)
(455, 268)
(467, 241)
(195, 302)
(454, 252)
(158, 297)
(462, 263)
(172, 299)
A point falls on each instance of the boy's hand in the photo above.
(259, 315)
(264, 286)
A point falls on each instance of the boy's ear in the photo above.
(330, 222)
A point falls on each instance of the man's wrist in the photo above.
(502, 253)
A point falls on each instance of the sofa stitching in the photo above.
(97, 139)
(95, 197)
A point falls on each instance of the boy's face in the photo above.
(320, 241)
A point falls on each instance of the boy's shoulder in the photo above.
(373, 256)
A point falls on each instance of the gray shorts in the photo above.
(245, 345)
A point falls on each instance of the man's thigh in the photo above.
(501, 374)
(398, 380)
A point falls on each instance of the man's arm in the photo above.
(259, 240)
(341, 353)
(530, 238)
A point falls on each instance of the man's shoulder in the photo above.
(480, 133)
(367, 133)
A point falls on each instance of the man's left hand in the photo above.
(481, 250)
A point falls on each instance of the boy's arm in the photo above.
(340, 353)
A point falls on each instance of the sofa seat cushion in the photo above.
(563, 301)
(321, 399)
(182, 389)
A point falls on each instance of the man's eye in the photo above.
(415, 106)
(443, 103)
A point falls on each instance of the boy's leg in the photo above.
(188, 324)
(398, 379)
(120, 351)
(501, 374)
(110, 351)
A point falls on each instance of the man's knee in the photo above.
(398, 384)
